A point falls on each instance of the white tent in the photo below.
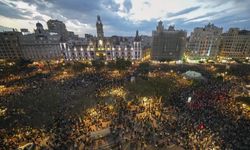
(100, 133)
(193, 75)
(132, 79)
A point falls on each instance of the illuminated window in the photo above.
(100, 42)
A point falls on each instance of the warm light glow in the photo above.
(12, 89)
(62, 75)
(120, 92)
(3, 111)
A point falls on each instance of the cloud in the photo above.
(202, 17)
(184, 11)
(8, 10)
(124, 17)
(127, 5)
(39, 18)
(3, 28)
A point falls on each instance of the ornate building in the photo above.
(204, 42)
(41, 45)
(50, 44)
(59, 27)
(235, 43)
(10, 45)
(99, 28)
(167, 44)
(105, 48)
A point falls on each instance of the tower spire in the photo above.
(99, 27)
(137, 37)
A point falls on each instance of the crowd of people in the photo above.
(18, 129)
(212, 117)
(204, 115)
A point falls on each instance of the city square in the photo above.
(151, 112)
(124, 75)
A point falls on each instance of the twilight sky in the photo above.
(124, 17)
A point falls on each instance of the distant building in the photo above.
(167, 44)
(137, 47)
(204, 42)
(88, 36)
(146, 45)
(59, 27)
(10, 45)
(104, 48)
(235, 43)
(41, 45)
(146, 52)
(72, 36)
(146, 41)
(99, 28)
(24, 30)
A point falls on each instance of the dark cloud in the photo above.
(181, 24)
(78, 5)
(11, 12)
(210, 14)
(40, 18)
(127, 5)
(111, 5)
(182, 12)
(228, 21)
(85, 11)
(240, 4)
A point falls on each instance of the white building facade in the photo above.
(41, 45)
(235, 43)
(100, 47)
(205, 42)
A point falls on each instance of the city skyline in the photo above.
(124, 17)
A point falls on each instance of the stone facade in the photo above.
(105, 48)
(204, 42)
(167, 44)
(59, 27)
(235, 43)
(41, 45)
(10, 45)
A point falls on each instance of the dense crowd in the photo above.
(202, 116)
(56, 133)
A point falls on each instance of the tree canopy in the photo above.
(144, 67)
(98, 64)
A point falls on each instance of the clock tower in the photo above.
(99, 28)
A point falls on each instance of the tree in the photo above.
(78, 66)
(48, 63)
(162, 60)
(184, 59)
(122, 64)
(169, 59)
(23, 63)
(237, 60)
(98, 64)
(144, 67)
(111, 65)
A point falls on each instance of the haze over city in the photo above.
(125, 16)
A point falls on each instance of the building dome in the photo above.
(39, 25)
